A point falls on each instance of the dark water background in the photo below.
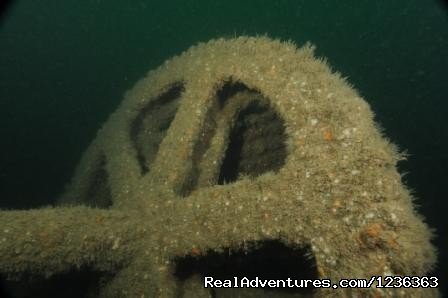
(64, 66)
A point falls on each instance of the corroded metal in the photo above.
(233, 143)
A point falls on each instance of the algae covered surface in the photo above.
(242, 152)
(231, 146)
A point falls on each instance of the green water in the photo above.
(64, 66)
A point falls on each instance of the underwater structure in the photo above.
(236, 154)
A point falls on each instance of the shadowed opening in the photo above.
(254, 139)
(256, 144)
(230, 89)
(77, 283)
(151, 124)
(98, 193)
(265, 260)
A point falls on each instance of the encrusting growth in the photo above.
(236, 152)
